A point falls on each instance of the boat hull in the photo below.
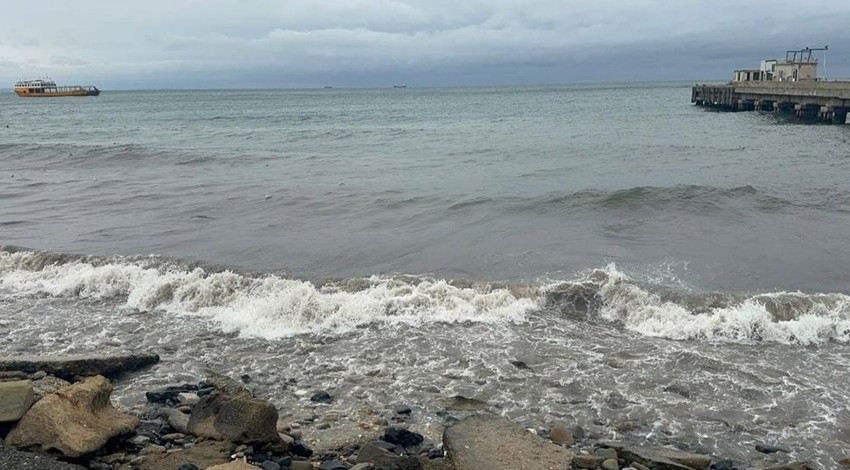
(27, 93)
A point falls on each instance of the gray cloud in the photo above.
(258, 43)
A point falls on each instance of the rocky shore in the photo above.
(56, 413)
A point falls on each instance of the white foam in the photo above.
(822, 318)
(268, 306)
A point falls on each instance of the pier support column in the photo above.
(798, 111)
(757, 105)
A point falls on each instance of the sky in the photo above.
(141, 44)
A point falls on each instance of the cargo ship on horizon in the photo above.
(47, 88)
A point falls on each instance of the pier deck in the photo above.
(820, 100)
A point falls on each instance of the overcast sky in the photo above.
(308, 43)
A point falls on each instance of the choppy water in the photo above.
(680, 271)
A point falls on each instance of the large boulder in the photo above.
(376, 454)
(489, 441)
(16, 397)
(71, 367)
(240, 418)
(74, 421)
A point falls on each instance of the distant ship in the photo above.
(403, 85)
(45, 88)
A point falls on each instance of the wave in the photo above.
(273, 306)
(267, 306)
(780, 317)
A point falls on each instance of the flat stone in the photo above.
(13, 375)
(333, 465)
(169, 394)
(70, 367)
(270, 465)
(381, 458)
(225, 384)
(74, 421)
(489, 441)
(238, 418)
(322, 397)
(16, 397)
(606, 453)
(660, 458)
(301, 465)
(362, 466)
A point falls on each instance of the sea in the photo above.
(605, 255)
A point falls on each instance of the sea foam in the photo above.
(266, 306)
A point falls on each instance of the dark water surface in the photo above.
(655, 263)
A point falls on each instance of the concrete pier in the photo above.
(808, 100)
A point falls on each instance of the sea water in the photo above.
(668, 274)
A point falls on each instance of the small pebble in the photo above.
(610, 464)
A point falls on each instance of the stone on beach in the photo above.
(238, 418)
(489, 441)
(74, 421)
(661, 458)
(71, 367)
(381, 458)
(16, 397)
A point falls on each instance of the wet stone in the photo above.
(270, 465)
(321, 397)
(403, 410)
(606, 453)
(769, 449)
(333, 465)
(188, 466)
(402, 437)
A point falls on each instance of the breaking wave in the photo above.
(274, 306)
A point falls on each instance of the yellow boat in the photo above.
(45, 88)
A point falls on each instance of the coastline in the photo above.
(219, 420)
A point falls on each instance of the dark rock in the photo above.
(300, 450)
(285, 461)
(489, 441)
(333, 465)
(169, 394)
(723, 465)
(70, 367)
(681, 390)
(402, 437)
(769, 449)
(245, 378)
(270, 465)
(435, 453)
(383, 459)
(238, 418)
(403, 410)
(520, 365)
(321, 397)
(13, 375)
(301, 465)
(188, 466)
